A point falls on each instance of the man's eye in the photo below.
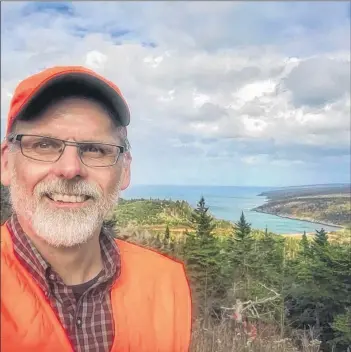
(41, 145)
(94, 150)
(44, 145)
(91, 148)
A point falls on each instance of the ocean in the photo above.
(227, 202)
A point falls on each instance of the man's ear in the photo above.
(126, 173)
(5, 167)
(125, 179)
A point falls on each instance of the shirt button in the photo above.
(79, 322)
(52, 277)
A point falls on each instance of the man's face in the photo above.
(65, 202)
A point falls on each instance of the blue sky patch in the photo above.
(58, 7)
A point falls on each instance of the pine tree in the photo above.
(318, 293)
(241, 254)
(319, 247)
(201, 220)
(167, 236)
(267, 261)
(243, 228)
(342, 328)
(240, 240)
(169, 244)
(305, 246)
(321, 238)
(203, 258)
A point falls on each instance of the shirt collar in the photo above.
(30, 257)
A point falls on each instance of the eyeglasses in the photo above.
(50, 150)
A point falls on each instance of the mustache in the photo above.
(77, 188)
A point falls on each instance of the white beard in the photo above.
(62, 227)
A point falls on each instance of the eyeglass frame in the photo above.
(13, 138)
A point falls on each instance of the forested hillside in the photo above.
(252, 290)
(308, 191)
(257, 291)
(324, 204)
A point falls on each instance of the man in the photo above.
(66, 284)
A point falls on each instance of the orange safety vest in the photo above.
(151, 305)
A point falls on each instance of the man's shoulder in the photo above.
(150, 257)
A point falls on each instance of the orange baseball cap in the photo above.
(64, 81)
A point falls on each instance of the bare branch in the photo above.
(240, 307)
(269, 289)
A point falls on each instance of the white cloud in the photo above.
(200, 99)
(255, 90)
(95, 60)
(224, 71)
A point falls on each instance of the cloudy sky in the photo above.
(221, 93)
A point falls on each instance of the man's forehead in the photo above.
(74, 118)
(69, 104)
(69, 109)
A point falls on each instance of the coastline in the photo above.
(311, 221)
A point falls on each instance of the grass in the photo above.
(228, 337)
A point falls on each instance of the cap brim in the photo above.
(77, 84)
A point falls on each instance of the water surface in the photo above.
(227, 203)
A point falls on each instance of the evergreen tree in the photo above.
(201, 220)
(321, 238)
(243, 228)
(170, 246)
(312, 278)
(203, 258)
(268, 259)
(320, 248)
(342, 328)
(167, 236)
(240, 240)
(241, 256)
(305, 246)
(317, 294)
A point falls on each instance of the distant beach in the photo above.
(304, 220)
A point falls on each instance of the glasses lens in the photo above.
(97, 154)
(41, 148)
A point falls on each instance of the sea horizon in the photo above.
(227, 203)
(251, 186)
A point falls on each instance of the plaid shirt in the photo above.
(88, 322)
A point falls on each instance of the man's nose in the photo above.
(69, 165)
